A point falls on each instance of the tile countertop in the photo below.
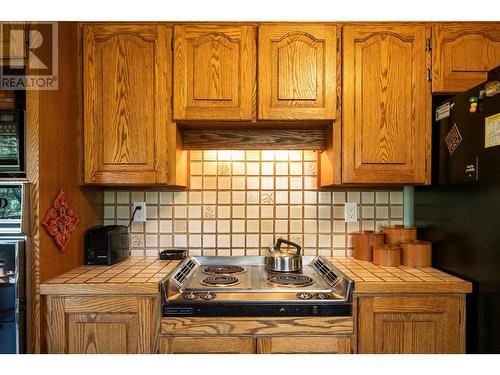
(140, 275)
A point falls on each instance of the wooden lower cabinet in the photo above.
(246, 335)
(411, 324)
(260, 345)
(102, 325)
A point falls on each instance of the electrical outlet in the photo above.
(140, 215)
(351, 212)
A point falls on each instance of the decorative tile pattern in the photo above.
(240, 202)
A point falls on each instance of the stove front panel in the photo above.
(264, 309)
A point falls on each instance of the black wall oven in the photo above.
(12, 295)
(14, 244)
(12, 146)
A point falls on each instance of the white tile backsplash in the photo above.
(240, 202)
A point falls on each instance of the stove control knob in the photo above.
(322, 296)
(190, 296)
(208, 296)
(304, 295)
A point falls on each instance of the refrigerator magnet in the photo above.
(492, 131)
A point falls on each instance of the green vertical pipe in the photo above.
(408, 206)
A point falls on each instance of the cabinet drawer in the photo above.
(304, 344)
(206, 345)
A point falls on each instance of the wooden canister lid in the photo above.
(416, 242)
(387, 247)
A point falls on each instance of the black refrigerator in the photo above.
(460, 212)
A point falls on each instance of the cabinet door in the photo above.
(386, 110)
(411, 325)
(207, 345)
(463, 54)
(102, 333)
(297, 72)
(126, 103)
(304, 344)
(214, 72)
(102, 325)
(12, 44)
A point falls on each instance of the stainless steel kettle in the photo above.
(278, 260)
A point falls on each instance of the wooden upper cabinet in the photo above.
(386, 101)
(463, 54)
(297, 72)
(13, 44)
(126, 103)
(214, 72)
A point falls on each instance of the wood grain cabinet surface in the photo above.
(297, 72)
(261, 335)
(102, 325)
(126, 79)
(304, 345)
(386, 104)
(463, 54)
(207, 345)
(13, 46)
(214, 72)
(411, 324)
(285, 344)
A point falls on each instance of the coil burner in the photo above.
(220, 280)
(290, 279)
(223, 270)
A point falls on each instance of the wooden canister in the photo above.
(394, 235)
(386, 255)
(363, 242)
(416, 253)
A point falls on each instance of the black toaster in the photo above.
(106, 245)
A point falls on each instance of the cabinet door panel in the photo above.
(386, 126)
(125, 103)
(102, 333)
(297, 72)
(214, 69)
(91, 324)
(207, 345)
(12, 44)
(463, 54)
(411, 325)
(304, 344)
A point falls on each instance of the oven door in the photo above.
(11, 143)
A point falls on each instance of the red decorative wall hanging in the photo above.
(61, 220)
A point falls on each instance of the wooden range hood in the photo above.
(255, 135)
